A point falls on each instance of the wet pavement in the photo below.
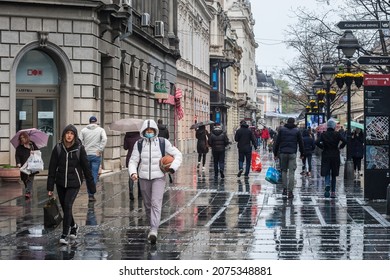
(204, 218)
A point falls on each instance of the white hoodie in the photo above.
(148, 162)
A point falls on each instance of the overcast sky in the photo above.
(271, 20)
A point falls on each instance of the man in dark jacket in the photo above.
(244, 138)
(218, 142)
(162, 129)
(289, 137)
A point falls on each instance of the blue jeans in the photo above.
(330, 180)
(247, 156)
(94, 164)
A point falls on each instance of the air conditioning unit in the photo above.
(145, 19)
(159, 29)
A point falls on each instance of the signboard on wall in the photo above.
(160, 91)
(376, 131)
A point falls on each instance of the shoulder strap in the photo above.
(162, 145)
(139, 145)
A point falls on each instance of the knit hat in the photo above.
(331, 124)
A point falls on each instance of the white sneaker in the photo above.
(152, 237)
(203, 168)
(64, 240)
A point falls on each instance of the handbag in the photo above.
(255, 162)
(35, 162)
(273, 175)
(51, 214)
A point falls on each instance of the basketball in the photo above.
(165, 163)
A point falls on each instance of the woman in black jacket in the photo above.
(357, 151)
(308, 148)
(202, 146)
(329, 142)
(23, 152)
(66, 169)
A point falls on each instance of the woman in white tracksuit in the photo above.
(145, 167)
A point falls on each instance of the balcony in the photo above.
(217, 99)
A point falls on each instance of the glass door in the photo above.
(40, 113)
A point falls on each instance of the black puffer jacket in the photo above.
(245, 139)
(218, 140)
(288, 140)
(66, 169)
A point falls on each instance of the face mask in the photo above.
(149, 135)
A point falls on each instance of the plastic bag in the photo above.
(272, 175)
(35, 162)
(256, 163)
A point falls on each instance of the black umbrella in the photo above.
(199, 124)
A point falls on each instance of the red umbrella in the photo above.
(39, 137)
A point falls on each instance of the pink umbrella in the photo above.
(37, 136)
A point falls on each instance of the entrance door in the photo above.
(40, 113)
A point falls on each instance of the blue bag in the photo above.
(272, 175)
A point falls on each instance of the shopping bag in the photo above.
(272, 175)
(25, 169)
(35, 162)
(51, 214)
(256, 163)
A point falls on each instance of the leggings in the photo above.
(67, 197)
(200, 158)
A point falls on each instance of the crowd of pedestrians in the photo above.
(78, 157)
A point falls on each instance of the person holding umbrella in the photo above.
(23, 152)
(202, 145)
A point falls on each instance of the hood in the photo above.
(244, 125)
(290, 125)
(70, 127)
(147, 124)
(217, 131)
(162, 126)
(92, 126)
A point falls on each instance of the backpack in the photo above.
(59, 150)
(161, 141)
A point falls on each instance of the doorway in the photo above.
(40, 113)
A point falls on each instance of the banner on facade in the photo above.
(160, 91)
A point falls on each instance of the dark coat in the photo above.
(21, 155)
(128, 144)
(66, 169)
(308, 143)
(218, 140)
(329, 142)
(202, 136)
(288, 140)
(244, 138)
(163, 131)
(357, 145)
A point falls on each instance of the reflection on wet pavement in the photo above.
(204, 217)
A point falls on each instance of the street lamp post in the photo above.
(327, 71)
(318, 84)
(348, 44)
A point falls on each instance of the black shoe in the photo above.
(222, 174)
(91, 198)
(327, 192)
(303, 173)
(240, 172)
(131, 195)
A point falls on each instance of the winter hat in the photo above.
(331, 124)
(290, 120)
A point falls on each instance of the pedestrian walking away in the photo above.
(144, 166)
(94, 139)
(162, 129)
(309, 146)
(329, 141)
(357, 151)
(22, 153)
(218, 141)
(288, 141)
(245, 139)
(67, 170)
(202, 145)
(128, 144)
